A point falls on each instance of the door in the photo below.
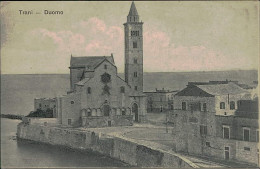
(106, 110)
(227, 153)
(135, 111)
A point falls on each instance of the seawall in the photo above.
(133, 152)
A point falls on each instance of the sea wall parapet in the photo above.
(133, 152)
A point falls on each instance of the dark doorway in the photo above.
(109, 124)
(226, 153)
(135, 111)
(106, 110)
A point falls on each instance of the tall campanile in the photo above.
(134, 51)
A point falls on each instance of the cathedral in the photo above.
(98, 97)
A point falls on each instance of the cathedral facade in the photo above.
(98, 97)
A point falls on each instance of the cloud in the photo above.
(95, 38)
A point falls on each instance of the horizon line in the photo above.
(143, 72)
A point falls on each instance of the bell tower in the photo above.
(134, 51)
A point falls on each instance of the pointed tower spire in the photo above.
(133, 14)
(133, 11)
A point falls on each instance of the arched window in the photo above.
(89, 90)
(135, 74)
(172, 107)
(122, 89)
(89, 112)
(134, 44)
(232, 105)
(222, 105)
(123, 112)
(135, 60)
(106, 110)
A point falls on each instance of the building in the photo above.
(219, 98)
(160, 101)
(214, 120)
(45, 104)
(98, 97)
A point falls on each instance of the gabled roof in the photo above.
(105, 59)
(192, 90)
(133, 10)
(89, 62)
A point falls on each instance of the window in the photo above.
(204, 107)
(122, 89)
(161, 108)
(123, 112)
(89, 112)
(203, 130)
(72, 102)
(69, 121)
(225, 113)
(257, 135)
(172, 107)
(183, 105)
(226, 132)
(247, 148)
(105, 66)
(200, 108)
(109, 124)
(226, 151)
(135, 87)
(134, 33)
(135, 74)
(135, 61)
(106, 110)
(232, 105)
(207, 144)
(89, 90)
(134, 44)
(222, 105)
(40, 105)
(246, 134)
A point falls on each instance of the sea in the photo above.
(17, 97)
(24, 154)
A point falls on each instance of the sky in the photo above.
(178, 36)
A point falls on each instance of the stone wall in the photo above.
(105, 121)
(127, 150)
(189, 139)
(33, 120)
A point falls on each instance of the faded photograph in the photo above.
(171, 84)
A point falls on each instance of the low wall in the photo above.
(135, 153)
(37, 120)
(105, 121)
